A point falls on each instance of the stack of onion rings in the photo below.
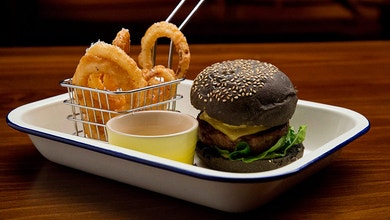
(109, 67)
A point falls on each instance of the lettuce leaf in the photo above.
(242, 150)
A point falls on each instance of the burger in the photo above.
(245, 107)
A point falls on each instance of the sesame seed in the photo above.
(230, 80)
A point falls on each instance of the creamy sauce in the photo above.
(152, 130)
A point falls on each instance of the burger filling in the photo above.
(248, 143)
(233, 132)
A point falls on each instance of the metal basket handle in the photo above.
(180, 27)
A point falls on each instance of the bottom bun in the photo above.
(211, 158)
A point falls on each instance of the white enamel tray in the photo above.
(329, 128)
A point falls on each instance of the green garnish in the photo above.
(242, 150)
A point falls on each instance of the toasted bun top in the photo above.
(244, 92)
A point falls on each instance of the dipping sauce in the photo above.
(152, 130)
(168, 134)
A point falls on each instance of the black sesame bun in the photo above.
(247, 96)
(245, 92)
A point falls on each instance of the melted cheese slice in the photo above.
(232, 131)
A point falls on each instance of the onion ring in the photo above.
(118, 70)
(122, 40)
(157, 75)
(165, 29)
(106, 67)
(158, 71)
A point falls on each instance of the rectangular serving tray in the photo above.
(329, 128)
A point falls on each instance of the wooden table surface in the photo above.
(354, 75)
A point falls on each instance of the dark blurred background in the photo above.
(81, 22)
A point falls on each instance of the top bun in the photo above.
(245, 92)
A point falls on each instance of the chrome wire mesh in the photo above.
(92, 108)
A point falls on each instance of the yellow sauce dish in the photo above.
(168, 134)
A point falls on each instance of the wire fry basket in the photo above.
(92, 108)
